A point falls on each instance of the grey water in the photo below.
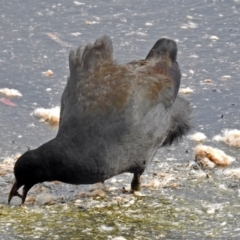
(208, 37)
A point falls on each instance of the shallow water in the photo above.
(195, 207)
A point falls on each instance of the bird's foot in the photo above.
(136, 183)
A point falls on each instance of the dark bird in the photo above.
(113, 118)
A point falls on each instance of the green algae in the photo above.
(197, 209)
(148, 218)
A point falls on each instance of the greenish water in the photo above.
(155, 215)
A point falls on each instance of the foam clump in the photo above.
(230, 137)
(233, 173)
(209, 157)
(10, 92)
(186, 90)
(6, 166)
(48, 73)
(198, 137)
(49, 115)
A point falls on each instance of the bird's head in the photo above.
(28, 171)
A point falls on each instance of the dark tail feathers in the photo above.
(100, 51)
(180, 121)
(92, 55)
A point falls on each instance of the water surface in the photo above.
(206, 207)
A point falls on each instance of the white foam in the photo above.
(185, 90)
(214, 38)
(204, 153)
(50, 115)
(10, 92)
(229, 136)
(198, 137)
(233, 172)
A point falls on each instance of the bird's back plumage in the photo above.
(120, 112)
(113, 117)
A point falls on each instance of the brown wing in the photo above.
(112, 88)
(79, 64)
(104, 87)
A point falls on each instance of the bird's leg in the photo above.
(136, 183)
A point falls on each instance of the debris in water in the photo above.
(154, 183)
(214, 38)
(210, 208)
(185, 90)
(119, 238)
(50, 115)
(189, 24)
(45, 199)
(233, 173)
(91, 22)
(191, 72)
(198, 173)
(198, 137)
(31, 199)
(6, 166)
(58, 40)
(139, 194)
(48, 73)
(174, 185)
(204, 162)
(106, 228)
(204, 155)
(230, 137)
(208, 80)
(96, 186)
(165, 181)
(76, 34)
(148, 24)
(226, 77)
(78, 3)
(10, 92)
(2, 172)
(8, 102)
(97, 193)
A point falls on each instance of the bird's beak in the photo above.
(14, 192)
